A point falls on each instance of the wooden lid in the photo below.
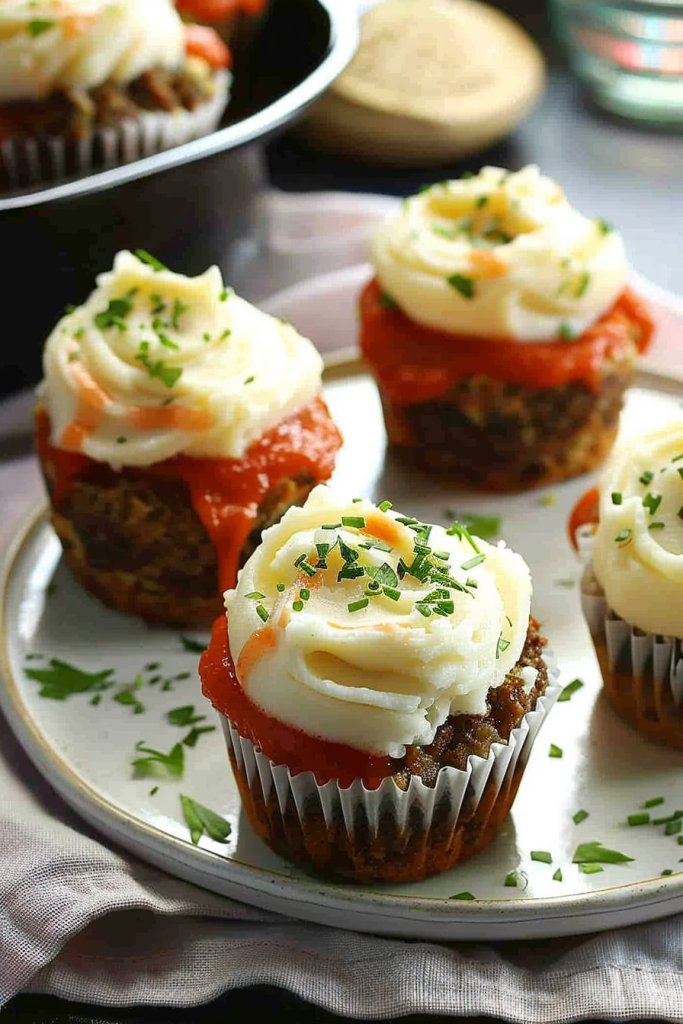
(432, 79)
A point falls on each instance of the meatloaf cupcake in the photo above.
(380, 684)
(88, 83)
(500, 331)
(632, 589)
(175, 422)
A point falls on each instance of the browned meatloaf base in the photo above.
(137, 544)
(407, 854)
(74, 113)
(494, 435)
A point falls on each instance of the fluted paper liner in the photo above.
(47, 159)
(642, 672)
(335, 829)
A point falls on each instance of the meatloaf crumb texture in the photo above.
(500, 436)
(136, 542)
(410, 852)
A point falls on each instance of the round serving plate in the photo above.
(86, 747)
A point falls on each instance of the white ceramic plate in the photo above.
(85, 751)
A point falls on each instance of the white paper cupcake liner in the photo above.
(632, 651)
(45, 159)
(455, 789)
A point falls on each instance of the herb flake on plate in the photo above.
(62, 680)
(202, 821)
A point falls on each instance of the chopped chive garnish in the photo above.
(206, 336)
(548, 500)
(542, 856)
(590, 868)
(580, 816)
(114, 315)
(655, 801)
(514, 879)
(569, 690)
(673, 827)
(555, 751)
(304, 594)
(462, 284)
(357, 522)
(603, 226)
(668, 818)
(255, 595)
(223, 295)
(501, 646)
(647, 477)
(622, 536)
(151, 261)
(680, 512)
(262, 613)
(121, 440)
(680, 840)
(96, 699)
(384, 506)
(154, 790)
(565, 331)
(462, 896)
(473, 562)
(391, 593)
(617, 497)
(557, 877)
(37, 26)
(652, 502)
(386, 301)
(280, 587)
(330, 526)
(356, 606)
(656, 526)
(641, 818)
(298, 606)
(582, 284)
(667, 871)
(249, 380)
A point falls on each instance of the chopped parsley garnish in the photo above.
(176, 312)
(641, 818)
(154, 790)
(582, 284)
(168, 375)
(542, 856)
(596, 853)
(502, 646)
(202, 821)
(62, 680)
(96, 699)
(151, 261)
(386, 301)
(569, 690)
(356, 606)
(158, 328)
(646, 477)
(195, 732)
(617, 497)
(192, 646)
(555, 751)
(297, 606)
(384, 506)
(462, 284)
(652, 502)
(127, 696)
(656, 526)
(603, 226)
(515, 879)
(557, 877)
(157, 763)
(462, 896)
(262, 613)
(158, 304)
(590, 868)
(566, 331)
(255, 595)
(37, 26)
(249, 380)
(281, 587)
(184, 716)
(304, 594)
(114, 315)
(580, 816)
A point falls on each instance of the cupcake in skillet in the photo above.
(175, 422)
(89, 83)
(631, 528)
(381, 683)
(500, 330)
